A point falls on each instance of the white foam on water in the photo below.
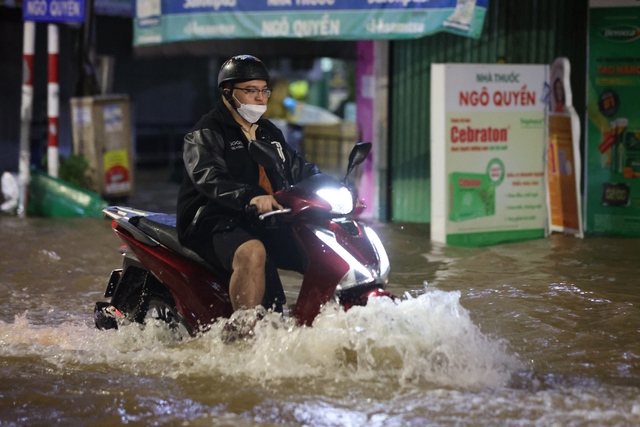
(432, 361)
(428, 339)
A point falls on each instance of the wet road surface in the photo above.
(536, 333)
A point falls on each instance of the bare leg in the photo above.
(247, 283)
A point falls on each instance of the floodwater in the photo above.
(537, 333)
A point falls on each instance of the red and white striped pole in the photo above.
(53, 100)
(26, 108)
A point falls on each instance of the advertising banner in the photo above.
(487, 153)
(162, 21)
(563, 155)
(612, 190)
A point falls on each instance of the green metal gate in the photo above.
(515, 32)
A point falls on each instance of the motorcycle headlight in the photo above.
(340, 199)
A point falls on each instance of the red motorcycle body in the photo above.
(201, 294)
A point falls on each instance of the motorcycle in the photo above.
(162, 280)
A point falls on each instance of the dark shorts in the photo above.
(283, 251)
(280, 244)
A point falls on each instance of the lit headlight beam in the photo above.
(330, 240)
(385, 265)
(340, 199)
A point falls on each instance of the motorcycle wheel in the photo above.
(161, 310)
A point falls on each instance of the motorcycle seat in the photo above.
(162, 227)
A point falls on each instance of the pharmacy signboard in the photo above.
(487, 153)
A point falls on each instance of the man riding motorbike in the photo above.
(221, 179)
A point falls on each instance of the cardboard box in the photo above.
(102, 133)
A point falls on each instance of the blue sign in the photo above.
(69, 11)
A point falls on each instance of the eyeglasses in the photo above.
(254, 92)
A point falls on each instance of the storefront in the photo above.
(351, 30)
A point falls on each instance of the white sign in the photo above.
(487, 153)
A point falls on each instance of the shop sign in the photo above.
(67, 11)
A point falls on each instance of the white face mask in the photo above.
(250, 112)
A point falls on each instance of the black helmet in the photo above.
(242, 68)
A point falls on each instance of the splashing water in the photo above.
(567, 307)
(424, 340)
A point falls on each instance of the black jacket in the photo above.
(220, 178)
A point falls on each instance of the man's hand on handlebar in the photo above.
(265, 204)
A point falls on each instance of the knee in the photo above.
(251, 254)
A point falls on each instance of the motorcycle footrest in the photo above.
(106, 316)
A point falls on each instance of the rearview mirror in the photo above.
(358, 154)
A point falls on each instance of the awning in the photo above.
(167, 21)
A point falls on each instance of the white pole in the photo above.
(26, 108)
(53, 101)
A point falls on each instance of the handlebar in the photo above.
(277, 212)
(253, 210)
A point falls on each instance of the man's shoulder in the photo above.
(268, 125)
(212, 120)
